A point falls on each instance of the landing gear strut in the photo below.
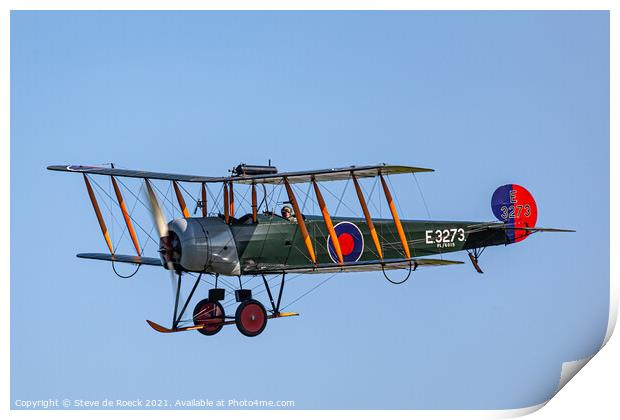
(275, 307)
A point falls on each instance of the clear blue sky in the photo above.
(484, 98)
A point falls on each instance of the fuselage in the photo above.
(274, 240)
(241, 247)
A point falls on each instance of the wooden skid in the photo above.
(474, 262)
(162, 329)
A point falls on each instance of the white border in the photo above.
(610, 405)
(329, 237)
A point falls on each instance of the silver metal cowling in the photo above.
(207, 245)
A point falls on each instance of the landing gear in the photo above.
(251, 318)
(209, 315)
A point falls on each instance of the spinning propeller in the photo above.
(165, 245)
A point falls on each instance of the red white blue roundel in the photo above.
(351, 242)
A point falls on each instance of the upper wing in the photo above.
(333, 174)
(374, 265)
(98, 170)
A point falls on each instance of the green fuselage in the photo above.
(277, 241)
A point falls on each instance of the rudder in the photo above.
(516, 207)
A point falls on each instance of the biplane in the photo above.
(222, 244)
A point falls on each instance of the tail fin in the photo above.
(515, 206)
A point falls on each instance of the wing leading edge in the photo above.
(333, 174)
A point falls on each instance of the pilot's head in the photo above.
(286, 212)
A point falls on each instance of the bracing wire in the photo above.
(130, 214)
(217, 201)
(309, 291)
(187, 192)
(116, 220)
(132, 219)
(428, 212)
(303, 206)
(260, 255)
(230, 302)
(340, 200)
(105, 203)
(400, 210)
(167, 201)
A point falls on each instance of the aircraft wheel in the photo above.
(211, 315)
(251, 318)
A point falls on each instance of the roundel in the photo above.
(351, 242)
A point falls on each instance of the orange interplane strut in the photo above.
(328, 221)
(121, 204)
(300, 221)
(369, 223)
(399, 226)
(180, 199)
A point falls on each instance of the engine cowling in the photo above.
(204, 244)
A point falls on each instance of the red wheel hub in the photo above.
(252, 317)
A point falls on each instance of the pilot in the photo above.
(287, 214)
